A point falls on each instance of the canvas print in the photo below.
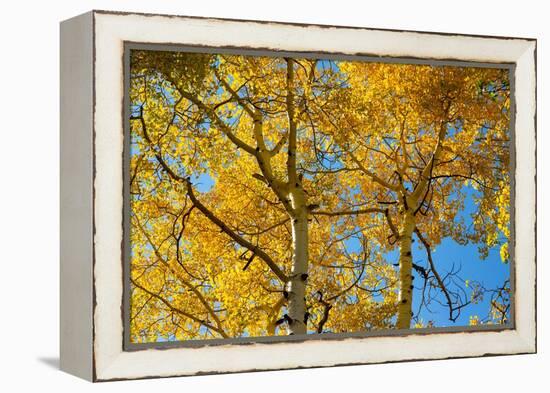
(273, 195)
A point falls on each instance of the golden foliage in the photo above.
(374, 143)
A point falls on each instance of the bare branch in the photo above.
(440, 283)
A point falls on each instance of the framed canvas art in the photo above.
(245, 195)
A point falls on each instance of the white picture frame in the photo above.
(92, 141)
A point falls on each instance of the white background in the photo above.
(29, 206)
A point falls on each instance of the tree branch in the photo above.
(436, 274)
(326, 310)
(235, 95)
(373, 176)
(291, 160)
(426, 172)
(393, 228)
(180, 311)
(278, 146)
(240, 240)
(219, 122)
(186, 283)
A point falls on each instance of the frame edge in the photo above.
(76, 196)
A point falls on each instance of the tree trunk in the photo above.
(404, 313)
(296, 286)
(410, 204)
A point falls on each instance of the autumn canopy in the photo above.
(276, 196)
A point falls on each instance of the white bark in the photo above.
(404, 313)
(296, 286)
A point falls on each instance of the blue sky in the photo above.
(491, 272)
